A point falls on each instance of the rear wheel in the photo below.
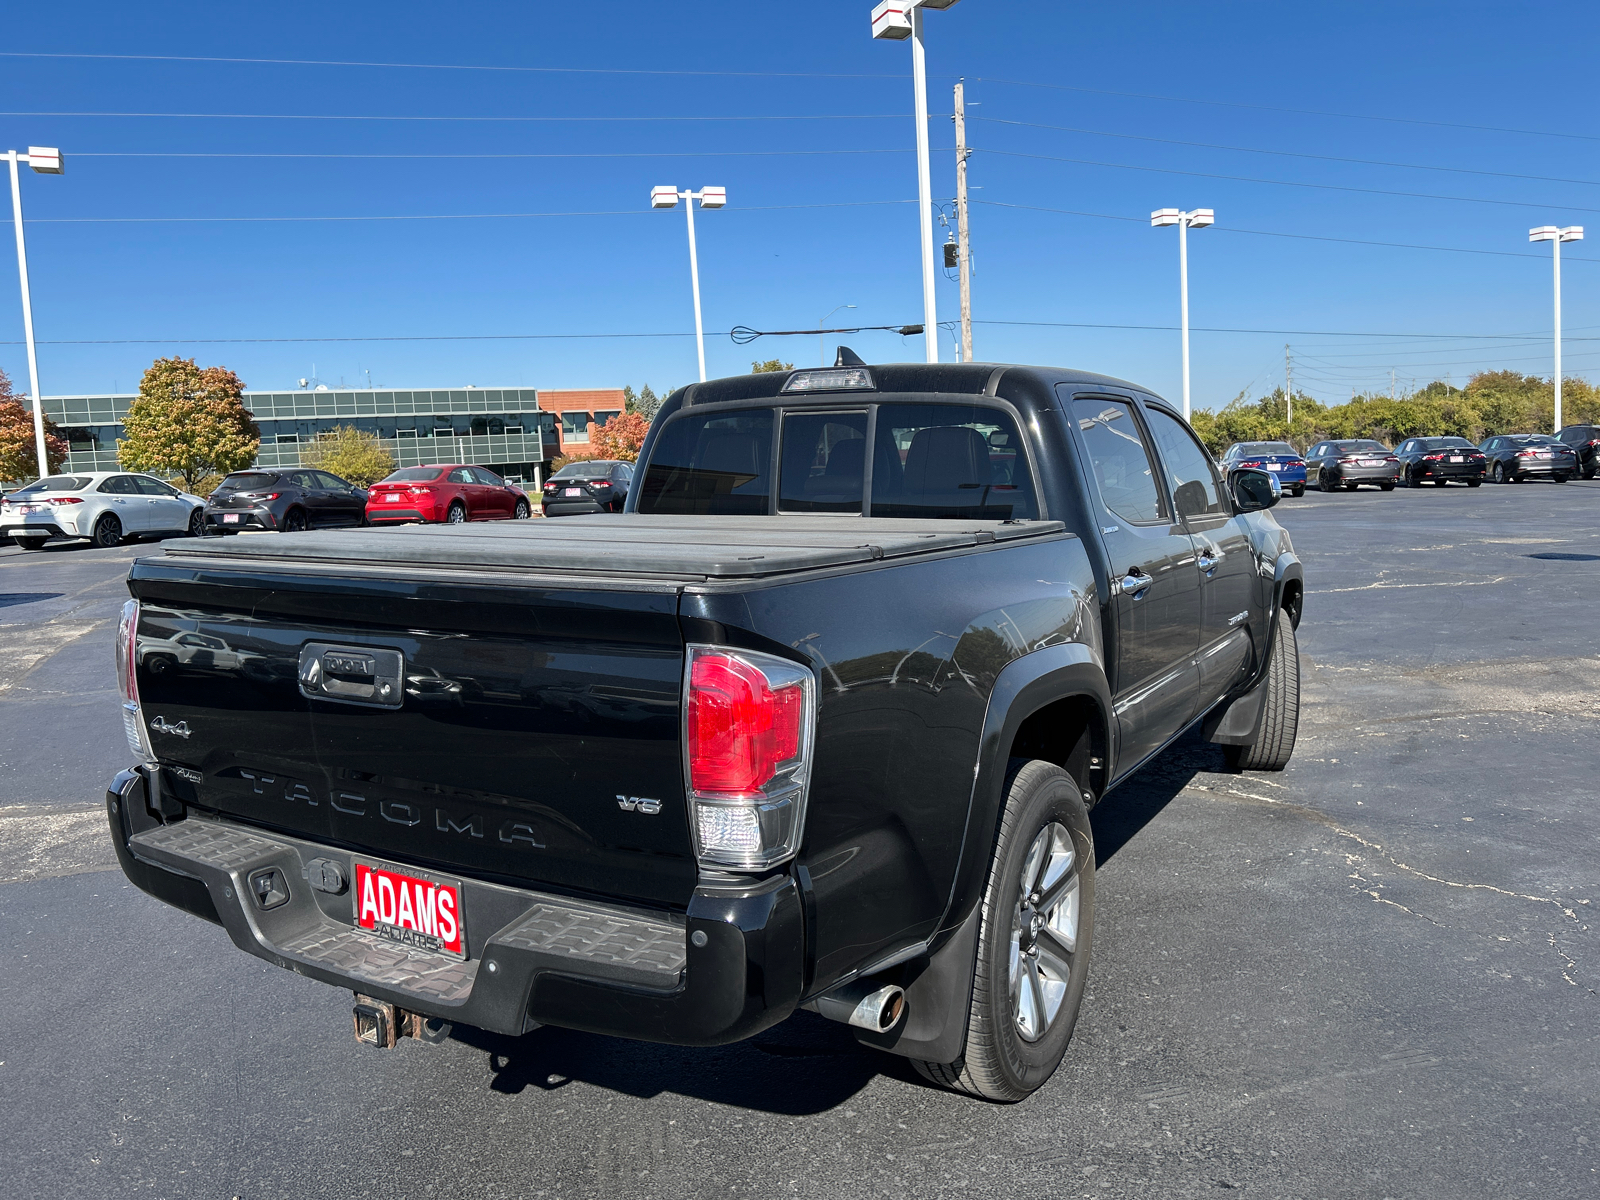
(457, 514)
(1325, 482)
(294, 521)
(1033, 943)
(1386, 487)
(1499, 473)
(1299, 489)
(1280, 718)
(30, 543)
(1440, 482)
(1351, 486)
(107, 532)
(1562, 478)
(1474, 483)
(1588, 472)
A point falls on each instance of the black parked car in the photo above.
(1438, 460)
(1585, 443)
(591, 486)
(287, 501)
(1350, 464)
(1513, 457)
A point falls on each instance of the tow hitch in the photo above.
(380, 1024)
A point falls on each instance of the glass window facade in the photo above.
(501, 428)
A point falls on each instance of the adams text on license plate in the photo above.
(410, 910)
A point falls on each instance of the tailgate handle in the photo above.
(352, 674)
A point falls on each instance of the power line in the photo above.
(1308, 237)
(1464, 337)
(1304, 112)
(608, 154)
(316, 62)
(1366, 162)
(616, 212)
(514, 119)
(1325, 187)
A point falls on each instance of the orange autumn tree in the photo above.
(622, 437)
(19, 458)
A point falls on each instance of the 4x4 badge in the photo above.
(160, 725)
(639, 804)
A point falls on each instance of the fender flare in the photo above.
(939, 986)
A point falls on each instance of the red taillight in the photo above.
(419, 491)
(127, 630)
(1432, 457)
(741, 730)
(66, 499)
(263, 496)
(1254, 462)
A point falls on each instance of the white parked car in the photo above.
(103, 506)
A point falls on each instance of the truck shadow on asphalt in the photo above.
(806, 1064)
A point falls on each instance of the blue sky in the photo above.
(806, 121)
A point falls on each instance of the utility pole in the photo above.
(1288, 386)
(963, 248)
(1391, 383)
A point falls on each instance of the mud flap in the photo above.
(938, 999)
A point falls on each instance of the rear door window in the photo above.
(1189, 473)
(1122, 467)
(711, 464)
(120, 485)
(824, 462)
(950, 460)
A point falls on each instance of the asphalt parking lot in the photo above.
(1374, 975)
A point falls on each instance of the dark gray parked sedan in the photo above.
(287, 501)
(1332, 465)
(588, 486)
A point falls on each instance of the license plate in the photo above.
(573, 492)
(392, 499)
(28, 509)
(1457, 458)
(1371, 462)
(425, 913)
(1274, 466)
(231, 518)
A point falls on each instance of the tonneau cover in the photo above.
(676, 547)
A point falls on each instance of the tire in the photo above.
(1474, 483)
(1386, 487)
(1298, 491)
(521, 512)
(31, 543)
(1350, 487)
(1440, 482)
(1325, 482)
(294, 521)
(457, 514)
(1281, 719)
(1499, 473)
(107, 531)
(1562, 478)
(197, 523)
(160, 664)
(1588, 472)
(1013, 1045)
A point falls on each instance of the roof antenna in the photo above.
(847, 358)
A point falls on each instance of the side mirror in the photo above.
(1254, 490)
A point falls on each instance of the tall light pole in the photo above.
(822, 345)
(1555, 236)
(897, 20)
(1198, 219)
(46, 160)
(667, 196)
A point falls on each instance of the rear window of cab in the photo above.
(957, 461)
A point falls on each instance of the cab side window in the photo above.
(461, 475)
(1122, 467)
(1195, 492)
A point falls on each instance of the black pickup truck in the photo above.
(817, 722)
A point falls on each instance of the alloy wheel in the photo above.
(456, 515)
(1044, 931)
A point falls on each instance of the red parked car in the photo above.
(446, 494)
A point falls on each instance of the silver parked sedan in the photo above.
(103, 506)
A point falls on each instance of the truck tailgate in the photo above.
(518, 715)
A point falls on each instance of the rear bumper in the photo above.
(1526, 467)
(22, 529)
(569, 507)
(729, 967)
(387, 515)
(244, 518)
(1387, 473)
(1450, 470)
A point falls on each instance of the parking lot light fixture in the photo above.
(1555, 236)
(667, 196)
(1185, 221)
(45, 160)
(896, 20)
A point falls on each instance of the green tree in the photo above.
(350, 453)
(644, 402)
(19, 457)
(188, 421)
(771, 364)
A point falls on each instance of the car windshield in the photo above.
(1264, 449)
(55, 483)
(245, 480)
(412, 475)
(583, 470)
(1357, 447)
(1447, 443)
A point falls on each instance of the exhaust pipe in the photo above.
(866, 1004)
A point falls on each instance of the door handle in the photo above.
(1133, 583)
(1208, 560)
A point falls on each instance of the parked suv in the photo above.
(445, 494)
(103, 506)
(288, 501)
(1350, 464)
(1585, 443)
(592, 486)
